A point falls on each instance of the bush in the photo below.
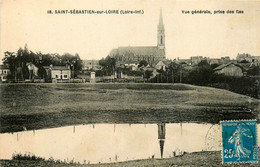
(204, 76)
(27, 157)
(244, 85)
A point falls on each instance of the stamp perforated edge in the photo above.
(240, 120)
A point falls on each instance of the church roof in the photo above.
(137, 50)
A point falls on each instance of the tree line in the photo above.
(204, 75)
(17, 62)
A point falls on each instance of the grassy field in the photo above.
(36, 106)
(190, 159)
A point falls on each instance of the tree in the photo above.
(74, 62)
(201, 75)
(254, 71)
(244, 61)
(108, 65)
(148, 74)
(18, 62)
(204, 64)
(213, 66)
(174, 69)
(11, 61)
(143, 63)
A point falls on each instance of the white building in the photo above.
(162, 65)
(229, 69)
(4, 70)
(58, 73)
(91, 64)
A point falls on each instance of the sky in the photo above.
(93, 36)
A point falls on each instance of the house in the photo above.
(229, 69)
(4, 71)
(133, 66)
(162, 64)
(256, 60)
(196, 60)
(183, 61)
(91, 64)
(33, 70)
(58, 73)
(245, 66)
(213, 61)
(244, 57)
(155, 73)
(224, 60)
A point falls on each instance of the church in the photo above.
(135, 54)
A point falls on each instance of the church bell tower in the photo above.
(160, 33)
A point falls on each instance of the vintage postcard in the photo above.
(129, 83)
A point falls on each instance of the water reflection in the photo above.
(161, 137)
(102, 143)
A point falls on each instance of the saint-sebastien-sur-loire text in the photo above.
(75, 11)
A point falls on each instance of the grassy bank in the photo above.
(212, 158)
(36, 106)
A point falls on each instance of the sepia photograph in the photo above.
(129, 83)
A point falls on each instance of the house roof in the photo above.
(245, 66)
(128, 62)
(94, 62)
(46, 67)
(184, 60)
(60, 68)
(214, 59)
(164, 61)
(244, 55)
(225, 65)
(56, 67)
(256, 57)
(3, 66)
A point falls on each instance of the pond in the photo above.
(104, 143)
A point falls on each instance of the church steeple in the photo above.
(160, 33)
(161, 18)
